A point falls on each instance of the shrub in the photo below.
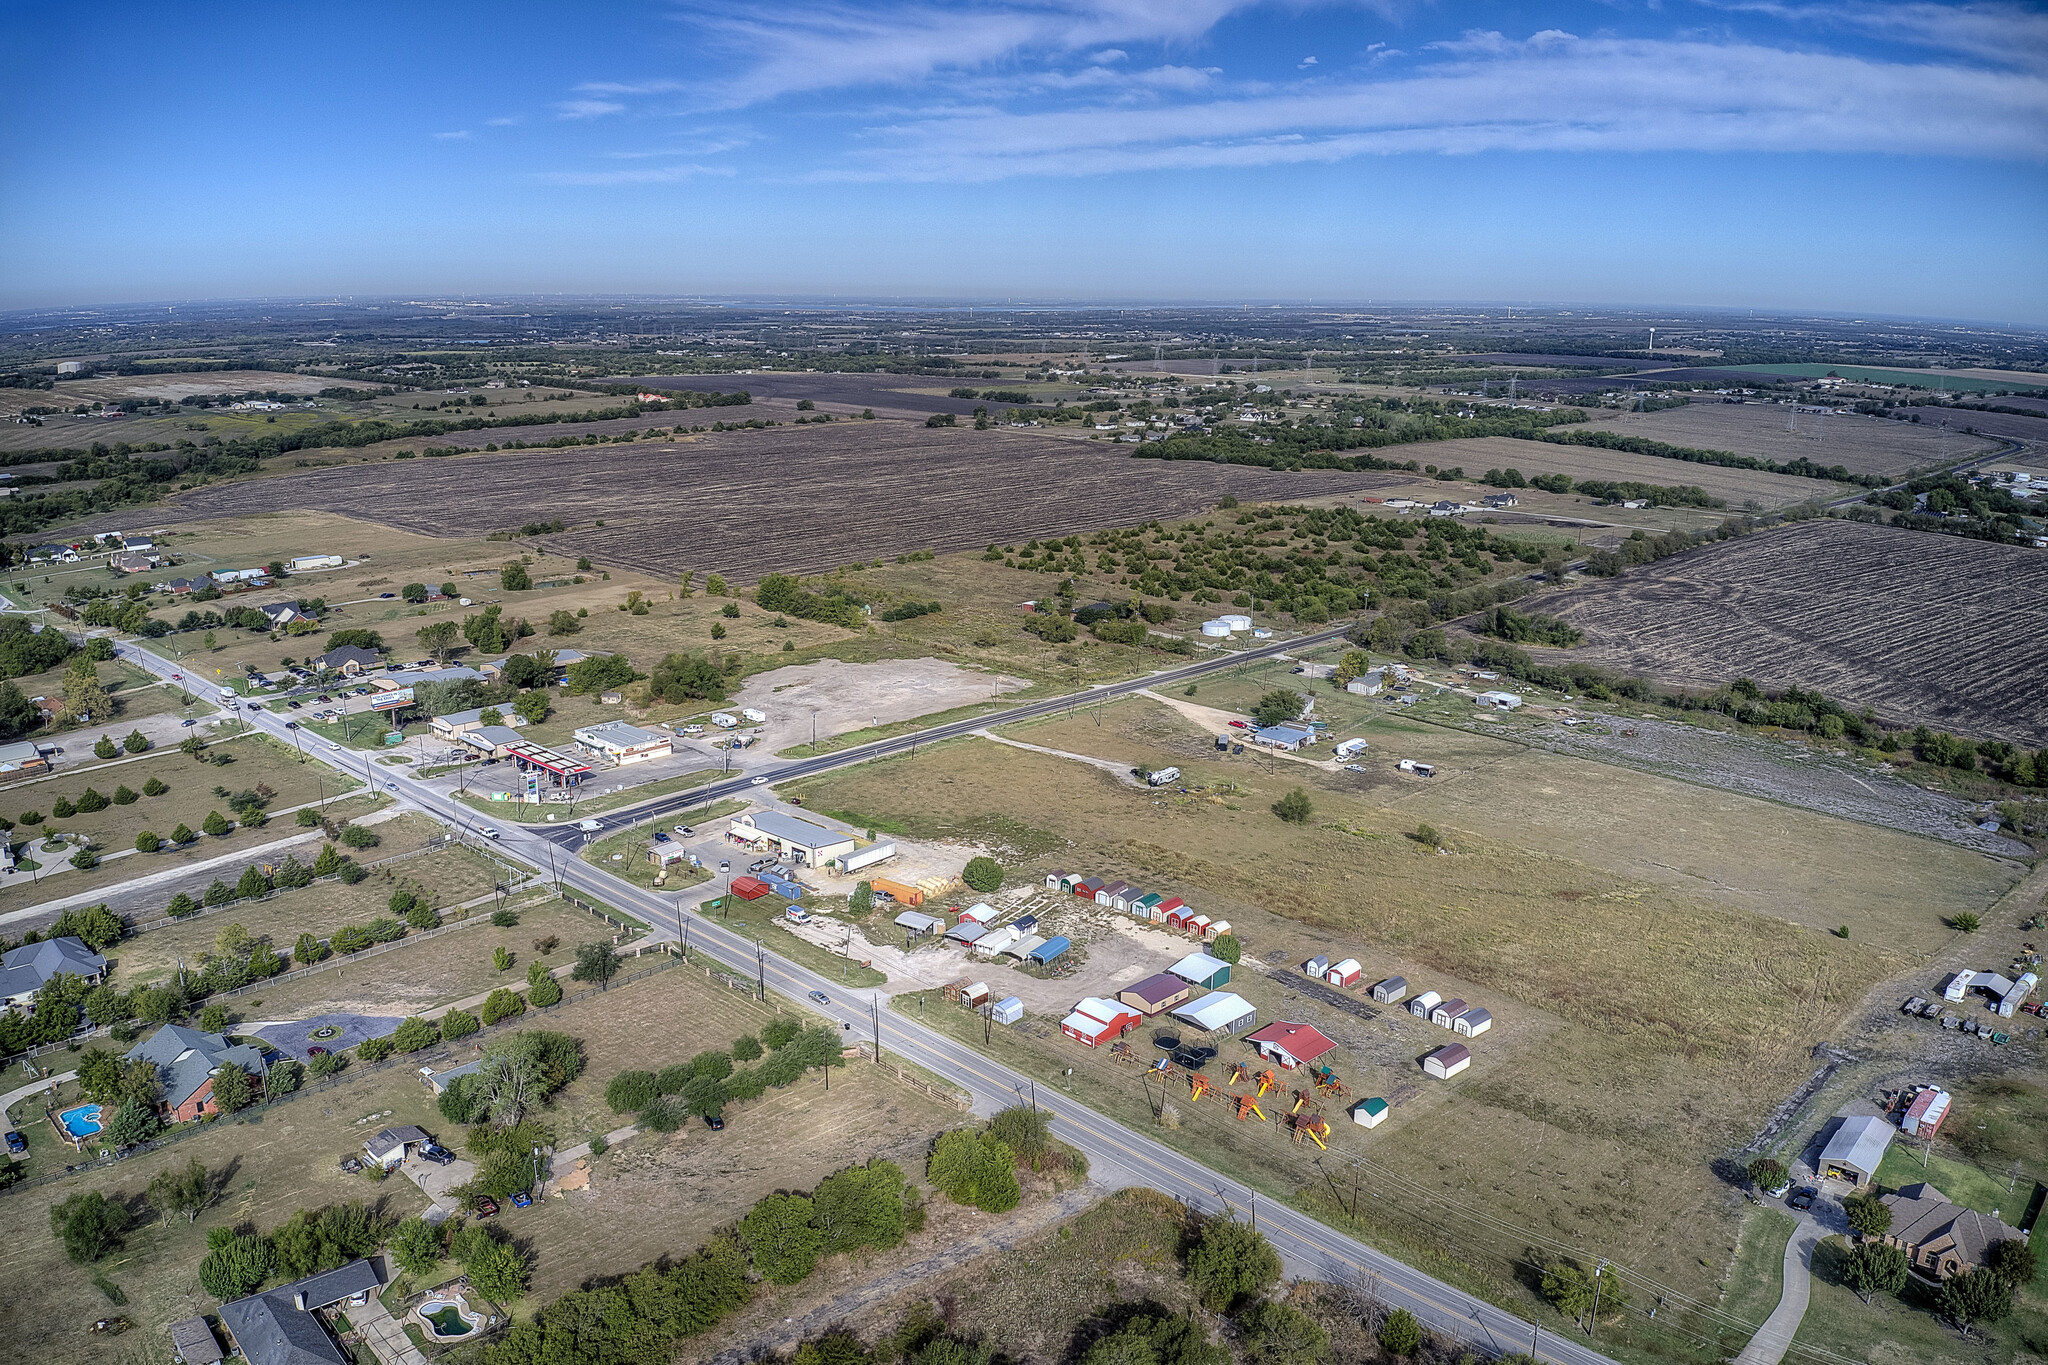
(1281, 1334)
(61, 808)
(544, 992)
(235, 1265)
(631, 1091)
(182, 834)
(457, 1024)
(146, 842)
(746, 1048)
(974, 1168)
(181, 906)
(308, 818)
(1295, 807)
(415, 1033)
(502, 1004)
(781, 1239)
(355, 836)
(505, 919)
(329, 1063)
(1401, 1334)
(124, 797)
(106, 748)
(983, 874)
(1231, 1264)
(215, 824)
(376, 1049)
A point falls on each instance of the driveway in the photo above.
(436, 1181)
(293, 1037)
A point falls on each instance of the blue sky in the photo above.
(1823, 154)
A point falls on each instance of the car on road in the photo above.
(291, 725)
(486, 1207)
(590, 826)
(522, 1200)
(714, 1123)
(489, 831)
(332, 745)
(16, 1143)
(391, 786)
(685, 830)
(176, 676)
(255, 706)
(386, 596)
(821, 997)
(758, 782)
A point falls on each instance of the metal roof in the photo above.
(1215, 1010)
(790, 830)
(1198, 967)
(1051, 948)
(1859, 1144)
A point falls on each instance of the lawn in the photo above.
(1907, 1163)
(447, 878)
(624, 855)
(256, 761)
(597, 805)
(1756, 1278)
(1906, 1329)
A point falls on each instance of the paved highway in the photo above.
(1117, 1155)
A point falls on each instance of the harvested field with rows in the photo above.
(786, 498)
(2012, 424)
(1736, 487)
(1862, 445)
(1925, 628)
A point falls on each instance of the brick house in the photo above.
(1941, 1239)
(186, 1062)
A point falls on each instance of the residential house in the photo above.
(391, 1146)
(29, 968)
(281, 614)
(439, 1081)
(134, 561)
(1499, 502)
(284, 1326)
(1941, 1239)
(349, 660)
(187, 1061)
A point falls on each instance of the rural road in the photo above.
(1117, 1155)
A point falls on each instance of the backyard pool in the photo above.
(447, 1318)
(81, 1122)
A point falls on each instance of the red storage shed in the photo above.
(749, 888)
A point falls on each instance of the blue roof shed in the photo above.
(1050, 949)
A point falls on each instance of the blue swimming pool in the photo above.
(81, 1122)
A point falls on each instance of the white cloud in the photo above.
(500, 122)
(2003, 33)
(652, 175)
(459, 135)
(581, 109)
(1305, 63)
(1108, 55)
(1552, 92)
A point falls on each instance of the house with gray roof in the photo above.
(1941, 1239)
(284, 1325)
(391, 1146)
(32, 966)
(349, 659)
(193, 1343)
(187, 1060)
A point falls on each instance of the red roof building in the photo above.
(1290, 1045)
(749, 888)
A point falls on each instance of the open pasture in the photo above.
(1924, 628)
(790, 498)
(1860, 444)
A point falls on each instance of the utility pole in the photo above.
(875, 1011)
(1594, 1321)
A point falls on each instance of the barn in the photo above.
(1853, 1153)
(1095, 1021)
(1345, 973)
(1291, 1045)
(749, 888)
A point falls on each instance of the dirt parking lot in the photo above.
(843, 696)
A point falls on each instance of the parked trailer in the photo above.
(756, 717)
(867, 857)
(1164, 777)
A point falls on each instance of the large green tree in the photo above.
(1231, 1264)
(781, 1239)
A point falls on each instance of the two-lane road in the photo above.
(1118, 1155)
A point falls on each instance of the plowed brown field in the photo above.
(1924, 628)
(787, 498)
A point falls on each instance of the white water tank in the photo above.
(1236, 622)
(1216, 630)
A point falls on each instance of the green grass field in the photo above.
(1925, 379)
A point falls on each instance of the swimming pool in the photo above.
(447, 1317)
(81, 1122)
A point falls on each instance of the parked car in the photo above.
(522, 1200)
(385, 596)
(316, 1051)
(1803, 1197)
(16, 1143)
(440, 1156)
(188, 722)
(714, 1123)
(1778, 1191)
(293, 705)
(685, 830)
(821, 997)
(486, 1207)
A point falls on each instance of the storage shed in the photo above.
(1220, 1012)
(1316, 965)
(1180, 916)
(1217, 930)
(1050, 949)
(1369, 1113)
(1141, 908)
(749, 888)
(1107, 893)
(981, 913)
(1024, 947)
(1924, 1115)
(1472, 1022)
(1053, 880)
(966, 931)
(1086, 888)
(1198, 926)
(1447, 1061)
(1008, 1010)
(919, 923)
(1443, 1015)
(1345, 973)
(998, 940)
(1853, 1152)
(1291, 1045)
(1199, 969)
(1391, 991)
(1167, 907)
(1422, 1004)
(1095, 1021)
(1155, 993)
